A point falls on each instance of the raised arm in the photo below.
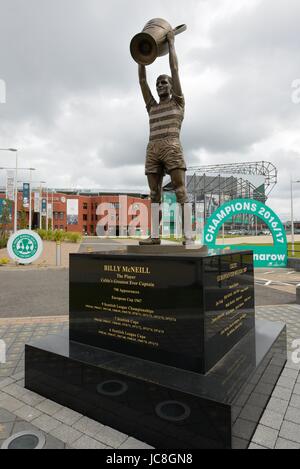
(174, 64)
(144, 85)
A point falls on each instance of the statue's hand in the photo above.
(171, 37)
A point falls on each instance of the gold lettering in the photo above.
(229, 275)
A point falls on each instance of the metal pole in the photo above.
(47, 221)
(58, 253)
(16, 196)
(292, 221)
(30, 203)
(40, 207)
(6, 191)
(52, 209)
(223, 226)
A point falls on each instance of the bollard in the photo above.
(58, 253)
(2, 352)
(298, 295)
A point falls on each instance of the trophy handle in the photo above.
(180, 29)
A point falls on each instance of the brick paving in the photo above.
(63, 428)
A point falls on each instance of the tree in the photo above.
(5, 221)
(5, 217)
(23, 219)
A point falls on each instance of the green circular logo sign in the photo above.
(25, 246)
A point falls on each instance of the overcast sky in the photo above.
(73, 104)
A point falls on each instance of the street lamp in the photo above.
(14, 150)
(30, 203)
(52, 215)
(292, 217)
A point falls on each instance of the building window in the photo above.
(61, 215)
(84, 217)
(56, 227)
(62, 227)
(92, 229)
(85, 228)
(92, 217)
(55, 215)
(85, 206)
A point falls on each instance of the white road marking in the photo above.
(268, 283)
(292, 272)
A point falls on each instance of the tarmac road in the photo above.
(46, 293)
(34, 293)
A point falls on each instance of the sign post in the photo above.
(25, 247)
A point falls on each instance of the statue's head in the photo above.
(164, 85)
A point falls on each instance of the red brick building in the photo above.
(126, 208)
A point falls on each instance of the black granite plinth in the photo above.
(158, 404)
(186, 311)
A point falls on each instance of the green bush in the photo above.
(73, 237)
(61, 236)
(3, 241)
(42, 234)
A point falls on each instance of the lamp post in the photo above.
(30, 178)
(14, 150)
(292, 217)
(40, 205)
(47, 201)
(52, 210)
(30, 201)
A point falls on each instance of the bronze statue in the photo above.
(164, 151)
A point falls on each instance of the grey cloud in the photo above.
(75, 109)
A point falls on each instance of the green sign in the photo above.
(264, 255)
(26, 194)
(25, 246)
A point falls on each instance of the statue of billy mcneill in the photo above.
(164, 151)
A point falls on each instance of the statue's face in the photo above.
(163, 87)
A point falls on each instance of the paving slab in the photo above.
(66, 434)
(265, 436)
(46, 423)
(86, 442)
(63, 428)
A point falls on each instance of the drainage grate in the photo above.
(112, 388)
(25, 440)
(174, 411)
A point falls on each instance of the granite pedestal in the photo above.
(163, 348)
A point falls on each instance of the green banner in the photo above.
(26, 194)
(264, 255)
